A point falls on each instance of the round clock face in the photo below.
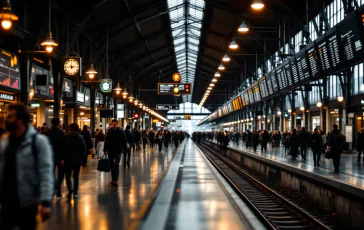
(105, 86)
(71, 66)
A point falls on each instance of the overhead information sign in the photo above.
(313, 61)
(170, 88)
(287, 69)
(295, 72)
(302, 66)
(256, 91)
(263, 87)
(251, 96)
(275, 85)
(281, 77)
(334, 50)
(162, 107)
(269, 83)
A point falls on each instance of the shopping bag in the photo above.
(328, 153)
(103, 165)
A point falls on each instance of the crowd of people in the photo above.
(34, 162)
(295, 142)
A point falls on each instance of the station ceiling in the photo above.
(141, 43)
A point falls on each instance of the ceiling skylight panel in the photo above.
(173, 3)
(181, 47)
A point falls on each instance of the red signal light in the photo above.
(187, 86)
(136, 115)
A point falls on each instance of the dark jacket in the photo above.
(336, 141)
(99, 138)
(294, 141)
(57, 140)
(225, 140)
(75, 149)
(304, 138)
(151, 135)
(136, 135)
(316, 142)
(360, 142)
(87, 138)
(265, 137)
(115, 141)
(129, 137)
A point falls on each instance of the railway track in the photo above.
(275, 211)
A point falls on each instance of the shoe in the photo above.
(69, 195)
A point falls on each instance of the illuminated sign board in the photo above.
(169, 88)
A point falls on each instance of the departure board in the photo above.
(275, 85)
(351, 43)
(323, 54)
(295, 72)
(263, 88)
(288, 72)
(334, 50)
(251, 96)
(281, 77)
(269, 84)
(256, 92)
(302, 66)
(245, 98)
(313, 61)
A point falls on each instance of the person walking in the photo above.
(336, 142)
(265, 139)
(151, 136)
(99, 137)
(87, 139)
(115, 144)
(294, 143)
(316, 146)
(57, 140)
(225, 141)
(144, 138)
(159, 138)
(130, 141)
(255, 140)
(75, 151)
(26, 178)
(360, 144)
(136, 139)
(304, 138)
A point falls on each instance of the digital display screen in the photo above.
(351, 43)
(281, 77)
(169, 88)
(251, 96)
(302, 66)
(323, 54)
(333, 47)
(9, 70)
(263, 87)
(275, 85)
(295, 72)
(313, 61)
(245, 98)
(256, 92)
(269, 84)
(288, 72)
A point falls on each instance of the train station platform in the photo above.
(102, 206)
(168, 190)
(350, 179)
(193, 195)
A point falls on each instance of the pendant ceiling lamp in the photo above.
(233, 45)
(7, 16)
(243, 27)
(49, 43)
(257, 4)
(217, 74)
(226, 58)
(221, 67)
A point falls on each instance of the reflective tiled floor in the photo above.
(191, 198)
(103, 207)
(351, 172)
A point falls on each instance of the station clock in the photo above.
(72, 66)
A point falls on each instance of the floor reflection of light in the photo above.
(87, 210)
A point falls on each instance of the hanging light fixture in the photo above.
(340, 98)
(214, 80)
(257, 4)
(226, 58)
(118, 89)
(212, 84)
(91, 72)
(217, 74)
(319, 104)
(302, 108)
(136, 101)
(140, 103)
(221, 67)
(233, 45)
(49, 43)
(7, 16)
(243, 27)
(209, 88)
(131, 98)
(125, 93)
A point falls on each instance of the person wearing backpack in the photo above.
(336, 142)
(26, 172)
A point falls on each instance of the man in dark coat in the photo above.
(304, 141)
(115, 144)
(294, 142)
(336, 143)
(87, 139)
(57, 140)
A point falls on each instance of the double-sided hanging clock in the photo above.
(72, 66)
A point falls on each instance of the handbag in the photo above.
(328, 153)
(103, 164)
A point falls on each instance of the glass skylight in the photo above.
(186, 22)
